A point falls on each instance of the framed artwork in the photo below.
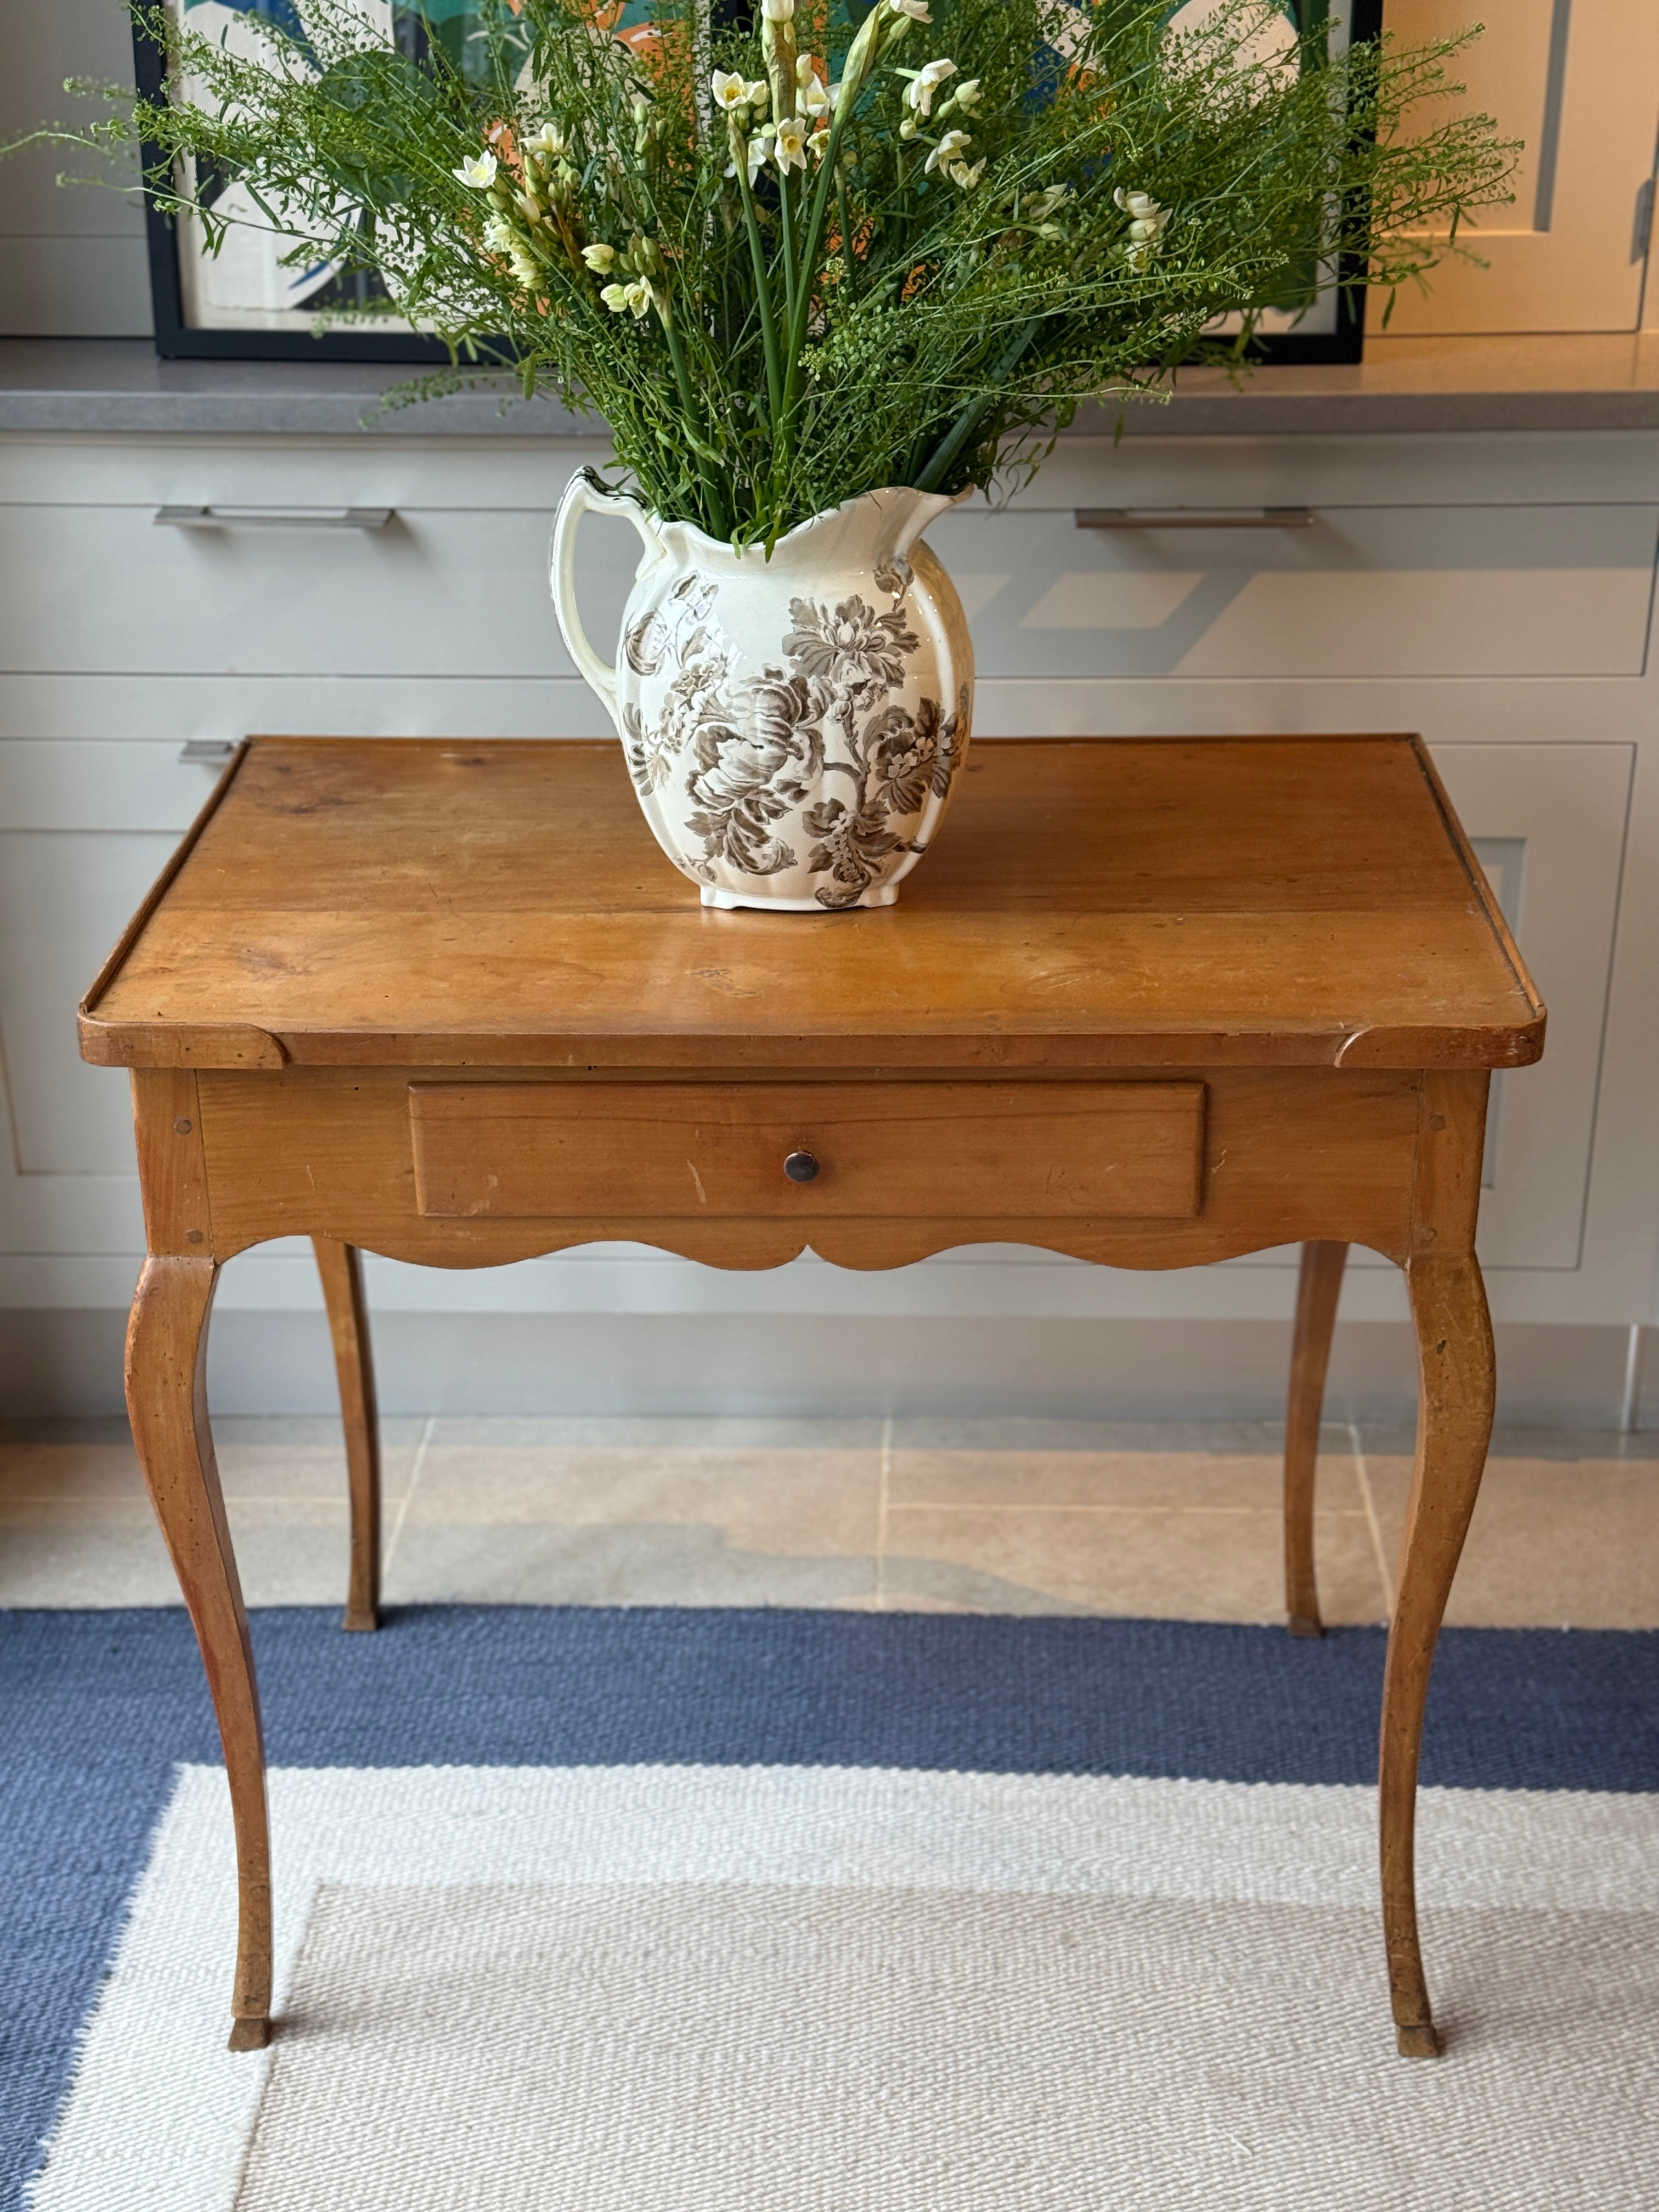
(246, 303)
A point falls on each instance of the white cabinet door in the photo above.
(1549, 822)
(1578, 80)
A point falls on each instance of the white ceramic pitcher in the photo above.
(792, 726)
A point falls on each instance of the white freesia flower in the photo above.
(601, 259)
(960, 174)
(479, 173)
(549, 140)
(791, 143)
(953, 144)
(925, 82)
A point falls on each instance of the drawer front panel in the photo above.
(922, 1152)
(1360, 592)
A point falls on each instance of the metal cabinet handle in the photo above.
(276, 518)
(1184, 518)
(801, 1167)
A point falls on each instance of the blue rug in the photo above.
(98, 1710)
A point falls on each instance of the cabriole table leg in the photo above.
(341, 1269)
(1457, 1382)
(1318, 1288)
(166, 1403)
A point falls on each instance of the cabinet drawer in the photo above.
(435, 592)
(1539, 590)
(978, 1150)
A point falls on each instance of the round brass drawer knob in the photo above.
(800, 1167)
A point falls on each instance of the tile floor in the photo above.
(1015, 1517)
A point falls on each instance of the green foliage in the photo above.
(1117, 184)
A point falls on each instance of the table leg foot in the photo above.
(353, 1617)
(249, 2032)
(1318, 1288)
(1422, 2041)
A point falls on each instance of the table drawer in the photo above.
(973, 1150)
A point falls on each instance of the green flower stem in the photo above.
(763, 289)
(792, 277)
(844, 216)
(951, 449)
(719, 521)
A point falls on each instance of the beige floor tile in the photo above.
(1189, 1566)
(656, 1432)
(684, 1562)
(594, 1524)
(298, 1471)
(1553, 1544)
(63, 1565)
(801, 1502)
(128, 1509)
(72, 1472)
(1148, 1480)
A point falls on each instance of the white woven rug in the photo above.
(786, 1990)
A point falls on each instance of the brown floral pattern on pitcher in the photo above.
(753, 751)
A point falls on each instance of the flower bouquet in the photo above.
(822, 267)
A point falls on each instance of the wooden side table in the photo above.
(1150, 1002)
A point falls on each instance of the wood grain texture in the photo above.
(341, 1269)
(1457, 1390)
(1297, 923)
(890, 1152)
(167, 1120)
(1288, 1154)
(1092, 903)
(1318, 1288)
(166, 1403)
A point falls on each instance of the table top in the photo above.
(1269, 901)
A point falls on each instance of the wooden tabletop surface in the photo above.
(1091, 902)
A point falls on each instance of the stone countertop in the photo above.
(91, 386)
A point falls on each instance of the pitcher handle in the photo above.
(585, 492)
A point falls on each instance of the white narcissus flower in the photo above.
(790, 146)
(1042, 205)
(500, 235)
(925, 82)
(634, 299)
(960, 174)
(601, 259)
(778, 11)
(549, 140)
(954, 142)
(917, 10)
(479, 173)
(1147, 219)
(812, 100)
(966, 95)
(755, 152)
(731, 91)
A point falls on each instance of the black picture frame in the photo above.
(176, 340)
